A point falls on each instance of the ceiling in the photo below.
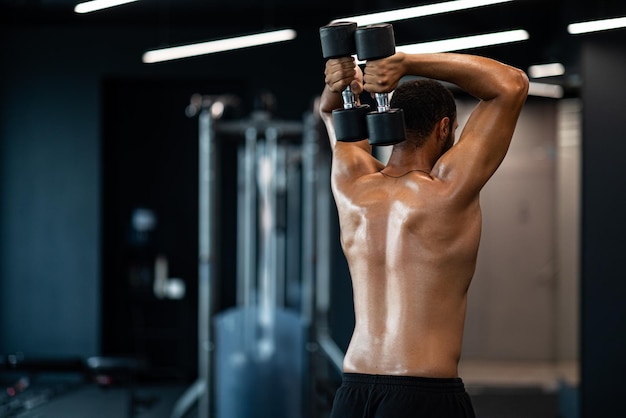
(545, 20)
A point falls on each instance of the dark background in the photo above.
(87, 130)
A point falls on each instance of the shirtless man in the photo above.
(410, 230)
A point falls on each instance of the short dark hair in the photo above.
(424, 103)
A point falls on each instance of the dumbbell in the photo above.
(337, 42)
(386, 125)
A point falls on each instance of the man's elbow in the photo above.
(517, 85)
(321, 112)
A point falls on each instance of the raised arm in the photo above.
(350, 159)
(486, 137)
(339, 73)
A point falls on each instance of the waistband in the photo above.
(431, 384)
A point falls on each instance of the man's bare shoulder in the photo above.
(352, 162)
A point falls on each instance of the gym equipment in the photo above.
(386, 125)
(206, 108)
(274, 348)
(261, 340)
(338, 41)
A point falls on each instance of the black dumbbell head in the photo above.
(338, 39)
(386, 128)
(375, 41)
(350, 124)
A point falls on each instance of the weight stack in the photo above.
(259, 363)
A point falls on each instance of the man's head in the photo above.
(425, 104)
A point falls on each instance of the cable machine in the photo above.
(260, 350)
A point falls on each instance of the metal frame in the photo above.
(315, 235)
(200, 391)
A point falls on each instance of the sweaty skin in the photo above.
(410, 230)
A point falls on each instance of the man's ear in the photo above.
(443, 129)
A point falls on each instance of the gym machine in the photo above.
(207, 109)
(262, 339)
(261, 349)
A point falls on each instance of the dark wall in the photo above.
(49, 196)
(50, 164)
(603, 293)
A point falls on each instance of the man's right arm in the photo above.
(350, 159)
(339, 73)
(484, 142)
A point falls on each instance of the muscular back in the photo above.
(411, 241)
(411, 249)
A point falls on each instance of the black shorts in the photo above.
(378, 396)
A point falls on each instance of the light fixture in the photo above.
(92, 6)
(466, 42)
(545, 90)
(419, 11)
(546, 70)
(211, 47)
(596, 25)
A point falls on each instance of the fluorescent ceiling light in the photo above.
(546, 70)
(467, 42)
(545, 90)
(92, 6)
(203, 48)
(596, 25)
(419, 11)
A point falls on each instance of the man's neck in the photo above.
(405, 159)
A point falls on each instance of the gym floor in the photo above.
(498, 390)
(522, 390)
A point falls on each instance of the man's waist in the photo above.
(430, 384)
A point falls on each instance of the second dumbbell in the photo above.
(385, 126)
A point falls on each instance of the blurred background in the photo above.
(169, 247)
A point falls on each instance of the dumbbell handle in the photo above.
(349, 98)
(382, 102)
(375, 42)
